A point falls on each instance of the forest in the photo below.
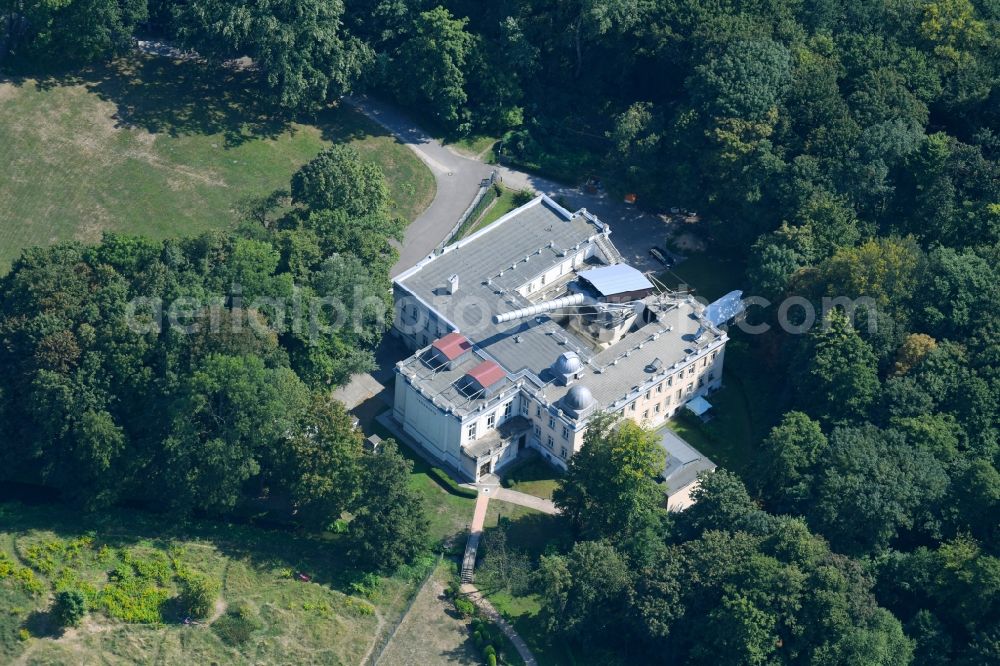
(838, 149)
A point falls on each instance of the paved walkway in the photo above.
(476, 597)
(524, 499)
(475, 536)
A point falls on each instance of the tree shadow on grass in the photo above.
(41, 624)
(538, 533)
(193, 97)
(187, 97)
(342, 124)
(174, 97)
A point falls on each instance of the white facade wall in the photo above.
(436, 430)
(540, 281)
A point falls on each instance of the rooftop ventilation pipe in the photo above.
(545, 306)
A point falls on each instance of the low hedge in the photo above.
(451, 485)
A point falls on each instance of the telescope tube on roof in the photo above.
(545, 306)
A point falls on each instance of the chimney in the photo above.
(453, 283)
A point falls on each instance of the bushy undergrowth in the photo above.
(237, 626)
(132, 585)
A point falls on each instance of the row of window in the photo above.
(491, 420)
(552, 423)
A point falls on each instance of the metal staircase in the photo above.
(608, 250)
(469, 559)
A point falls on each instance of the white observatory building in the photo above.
(525, 330)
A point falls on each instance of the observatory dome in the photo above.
(568, 363)
(578, 398)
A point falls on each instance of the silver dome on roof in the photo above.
(578, 398)
(568, 363)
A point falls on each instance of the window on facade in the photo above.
(565, 432)
(543, 280)
(538, 410)
(656, 408)
(714, 354)
(549, 442)
(701, 382)
(562, 452)
(552, 422)
(678, 394)
(538, 431)
(472, 431)
(659, 388)
(691, 370)
(690, 387)
(507, 408)
(645, 414)
(491, 420)
(670, 381)
(647, 395)
(704, 362)
(631, 407)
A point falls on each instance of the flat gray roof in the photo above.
(684, 462)
(513, 251)
(523, 244)
(616, 279)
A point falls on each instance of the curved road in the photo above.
(458, 179)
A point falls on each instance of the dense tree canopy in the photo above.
(194, 374)
(838, 149)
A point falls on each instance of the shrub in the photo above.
(198, 595)
(23, 635)
(69, 608)
(23, 576)
(133, 600)
(451, 485)
(522, 197)
(154, 566)
(368, 586)
(359, 606)
(491, 660)
(237, 625)
(465, 607)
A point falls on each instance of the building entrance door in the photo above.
(521, 442)
(484, 469)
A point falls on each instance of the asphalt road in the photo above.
(458, 178)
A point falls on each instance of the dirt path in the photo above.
(378, 635)
(475, 596)
(432, 632)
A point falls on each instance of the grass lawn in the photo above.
(449, 514)
(533, 476)
(503, 204)
(728, 439)
(710, 276)
(130, 564)
(480, 146)
(147, 145)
